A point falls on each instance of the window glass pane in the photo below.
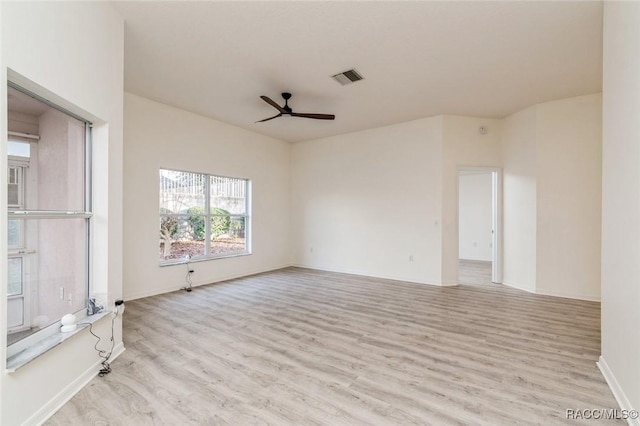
(54, 276)
(13, 192)
(60, 166)
(178, 239)
(15, 276)
(228, 194)
(232, 241)
(237, 228)
(18, 149)
(15, 317)
(13, 175)
(60, 279)
(15, 233)
(181, 192)
(14, 188)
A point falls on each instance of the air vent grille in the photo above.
(348, 77)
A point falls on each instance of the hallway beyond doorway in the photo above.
(474, 272)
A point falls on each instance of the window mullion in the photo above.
(88, 205)
(207, 215)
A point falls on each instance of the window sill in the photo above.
(27, 355)
(201, 259)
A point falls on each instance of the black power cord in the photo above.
(188, 278)
(106, 367)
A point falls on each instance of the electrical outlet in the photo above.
(410, 258)
(119, 306)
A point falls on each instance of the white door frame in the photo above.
(496, 216)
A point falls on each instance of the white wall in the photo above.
(519, 199)
(569, 176)
(73, 54)
(475, 216)
(158, 136)
(550, 155)
(552, 198)
(620, 359)
(365, 202)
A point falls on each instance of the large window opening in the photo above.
(202, 216)
(49, 213)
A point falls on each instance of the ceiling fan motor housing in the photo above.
(286, 106)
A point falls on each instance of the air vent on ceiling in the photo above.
(348, 77)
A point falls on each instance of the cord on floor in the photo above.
(106, 367)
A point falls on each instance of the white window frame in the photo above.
(207, 219)
(24, 214)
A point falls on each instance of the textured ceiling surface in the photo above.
(419, 59)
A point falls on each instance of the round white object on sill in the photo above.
(68, 323)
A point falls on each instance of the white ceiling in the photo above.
(418, 58)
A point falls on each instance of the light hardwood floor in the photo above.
(304, 347)
(474, 272)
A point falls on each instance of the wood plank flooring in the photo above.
(304, 347)
(474, 272)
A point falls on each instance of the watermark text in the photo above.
(600, 414)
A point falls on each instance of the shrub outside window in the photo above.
(202, 216)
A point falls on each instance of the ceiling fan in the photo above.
(286, 110)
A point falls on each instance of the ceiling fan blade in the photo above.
(272, 103)
(270, 118)
(316, 116)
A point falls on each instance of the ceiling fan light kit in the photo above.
(286, 110)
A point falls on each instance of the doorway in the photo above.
(479, 226)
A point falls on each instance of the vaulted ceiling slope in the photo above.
(418, 59)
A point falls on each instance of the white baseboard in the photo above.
(617, 391)
(169, 289)
(570, 295)
(578, 296)
(587, 297)
(517, 286)
(50, 408)
(386, 277)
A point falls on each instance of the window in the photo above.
(49, 213)
(202, 216)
